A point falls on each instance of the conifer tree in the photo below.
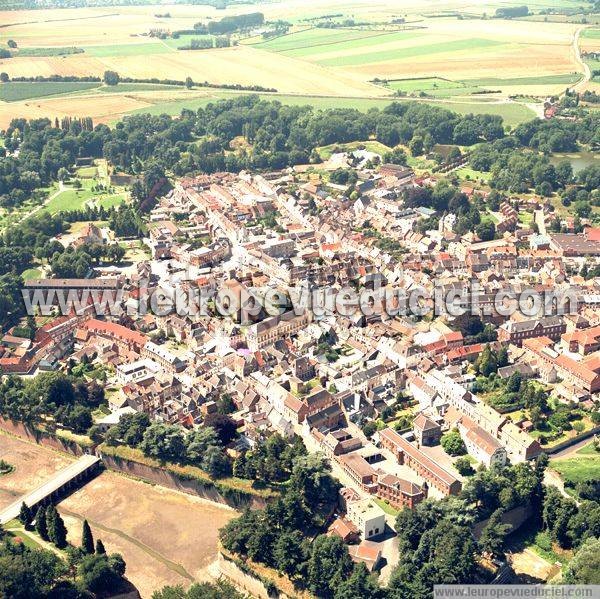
(41, 525)
(87, 539)
(25, 514)
(100, 547)
(56, 527)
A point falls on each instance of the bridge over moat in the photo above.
(66, 479)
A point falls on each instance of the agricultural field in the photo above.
(475, 54)
(23, 90)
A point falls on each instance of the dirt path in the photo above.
(587, 73)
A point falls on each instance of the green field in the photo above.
(184, 40)
(593, 34)
(594, 66)
(422, 84)
(542, 80)
(136, 87)
(308, 38)
(579, 469)
(410, 52)
(362, 39)
(14, 91)
(143, 49)
(48, 51)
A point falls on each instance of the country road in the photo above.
(587, 73)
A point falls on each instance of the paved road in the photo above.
(540, 221)
(569, 451)
(57, 482)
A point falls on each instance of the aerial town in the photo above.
(299, 299)
(403, 407)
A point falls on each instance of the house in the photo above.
(360, 471)
(162, 356)
(367, 552)
(400, 493)
(112, 419)
(427, 432)
(343, 528)
(367, 516)
(516, 331)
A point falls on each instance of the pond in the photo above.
(578, 160)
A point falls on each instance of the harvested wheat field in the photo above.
(102, 108)
(166, 537)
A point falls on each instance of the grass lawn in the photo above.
(75, 199)
(31, 273)
(69, 199)
(470, 174)
(386, 507)
(87, 172)
(579, 469)
(146, 48)
(111, 200)
(371, 146)
(525, 217)
(589, 450)
(22, 90)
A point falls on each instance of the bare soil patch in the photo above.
(33, 464)
(166, 537)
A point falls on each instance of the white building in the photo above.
(367, 516)
(136, 371)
